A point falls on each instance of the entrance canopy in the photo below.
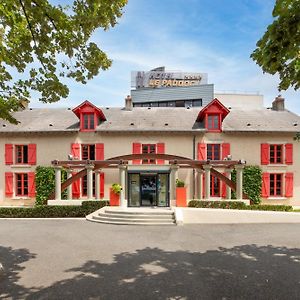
(204, 166)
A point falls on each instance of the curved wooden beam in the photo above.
(118, 160)
(150, 156)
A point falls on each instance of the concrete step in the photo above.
(133, 220)
(140, 216)
(132, 216)
(131, 223)
(140, 212)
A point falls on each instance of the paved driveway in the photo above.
(76, 259)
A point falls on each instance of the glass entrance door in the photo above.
(148, 189)
(162, 189)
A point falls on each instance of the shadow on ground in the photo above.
(241, 272)
(11, 261)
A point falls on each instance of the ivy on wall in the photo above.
(45, 183)
(252, 180)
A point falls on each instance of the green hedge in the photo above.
(270, 207)
(217, 204)
(45, 184)
(86, 208)
(237, 205)
(252, 180)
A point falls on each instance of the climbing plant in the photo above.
(45, 183)
(252, 180)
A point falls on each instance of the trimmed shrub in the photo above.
(45, 184)
(217, 204)
(238, 205)
(52, 211)
(252, 181)
(94, 204)
(270, 207)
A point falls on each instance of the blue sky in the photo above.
(208, 36)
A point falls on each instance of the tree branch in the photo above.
(31, 30)
(50, 18)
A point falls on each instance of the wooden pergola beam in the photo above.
(115, 162)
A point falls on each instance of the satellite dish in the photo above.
(70, 157)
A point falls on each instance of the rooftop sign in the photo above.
(161, 78)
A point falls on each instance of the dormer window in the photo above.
(88, 121)
(212, 115)
(213, 122)
(89, 115)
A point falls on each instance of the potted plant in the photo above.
(114, 194)
(180, 193)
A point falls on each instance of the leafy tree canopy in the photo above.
(278, 51)
(44, 43)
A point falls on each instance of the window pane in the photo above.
(210, 122)
(216, 122)
(92, 152)
(162, 104)
(275, 184)
(148, 148)
(188, 103)
(272, 153)
(209, 155)
(85, 121)
(171, 103)
(84, 185)
(216, 152)
(152, 148)
(92, 122)
(85, 153)
(279, 154)
(197, 102)
(25, 154)
(19, 154)
(145, 149)
(179, 103)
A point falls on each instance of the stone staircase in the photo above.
(133, 216)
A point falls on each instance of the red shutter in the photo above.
(160, 149)
(99, 151)
(289, 154)
(225, 150)
(265, 189)
(265, 154)
(75, 150)
(201, 151)
(101, 185)
(9, 184)
(31, 184)
(9, 154)
(75, 188)
(32, 154)
(136, 149)
(223, 186)
(289, 184)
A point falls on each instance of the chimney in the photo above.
(278, 103)
(128, 103)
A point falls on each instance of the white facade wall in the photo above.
(58, 146)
